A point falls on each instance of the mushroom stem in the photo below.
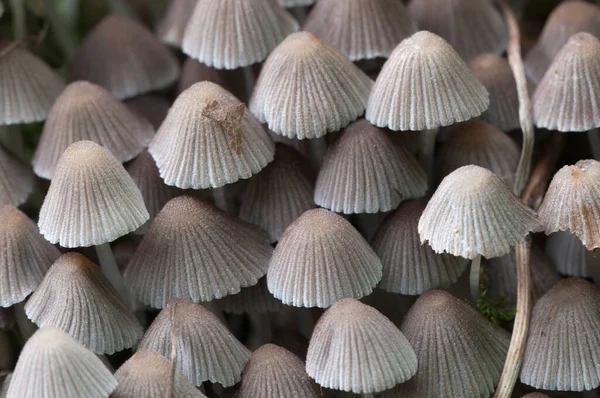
(427, 151)
(61, 29)
(317, 148)
(594, 138)
(249, 80)
(474, 277)
(18, 14)
(121, 7)
(26, 327)
(261, 330)
(111, 271)
(299, 13)
(222, 201)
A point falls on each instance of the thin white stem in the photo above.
(317, 148)
(594, 138)
(61, 29)
(427, 152)
(26, 327)
(300, 14)
(249, 80)
(474, 277)
(112, 273)
(19, 22)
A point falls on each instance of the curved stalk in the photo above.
(474, 277)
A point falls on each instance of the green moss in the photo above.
(500, 311)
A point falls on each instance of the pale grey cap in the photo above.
(569, 255)
(16, 179)
(171, 27)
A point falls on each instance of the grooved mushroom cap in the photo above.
(361, 29)
(307, 88)
(229, 34)
(76, 297)
(569, 255)
(52, 364)
(364, 172)
(321, 259)
(355, 348)
(16, 179)
(194, 250)
(171, 27)
(124, 57)
(29, 86)
(86, 111)
(148, 374)
(251, 299)
(460, 353)
(206, 350)
(425, 85)
(92, 200)
(473, 213)
(565, 99)
(25, 256)
(561, 353)
(208, 140)
(572, 202)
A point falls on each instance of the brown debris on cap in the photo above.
(209, 139)
(152, 107)
(561, 354)
(572, 202)
(86, 111)
(16, 179)
(355, 348)
(361, 29)
(124, 57)
(91, 200)
(206, 350)
(194, 250)
(569, 255)
(321, 259)
(474, 213)
(171, 27)
(425, 85)
(307, 88)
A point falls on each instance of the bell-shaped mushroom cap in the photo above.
(561, 353)
(274, 372)
(408, 266)
(295, 3)
(91, 200)
(124, 57)
(494, 72)
(364, 172)
(29, 86)
(206, 350)
(479, 143)
(472, 27)
(572, 202)
(255, 298)
(194, 250)
(25, 256)
(321, 259)
(460, 353)
(355, 348)
(569, 256)
(425, 85)
(361, 29)
(565, 99)
(172, 25)
(474, 213)
(86, 111)
(148, 374)
(567, 19)
(279, 194)
(52, 364)
(209, 140)
(16, 179)
(152, 107)
(307, 88)
(77, 298)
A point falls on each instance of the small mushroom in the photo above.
(569, 255)
(16, 179)
(171, 27)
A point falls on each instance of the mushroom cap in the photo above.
(25, 256)
(560, 354)
(307, 88)
(361, 29)
(460, 353)
(208, 140)
(152, 107)
(91, 200)
(253, 299)
(569, 255)
(572, 202)
(171, 27)
(321, 259)
(16, 179)
(425, 85)
(29, 86)
(194, 250)
(52, 364)
(124, 57)
(229, 34)
(364, 172)
(474, 213)
(206, 350)
(76, 297)
(86, 111)
(355, 348)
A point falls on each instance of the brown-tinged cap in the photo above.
(194, 250)
(86, 111)
(16, 179)
(307, 88)
(569, 255)
(425, 85)
(560, 353)
(321, 259)
(172, 24)
(355, 348)
(206, 350)
(91, 200)
(152, 107)
(209, 139)
(256, 298)
(125, 58)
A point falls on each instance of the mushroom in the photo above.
(16, 179)
(569, 255)
(171, 27)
